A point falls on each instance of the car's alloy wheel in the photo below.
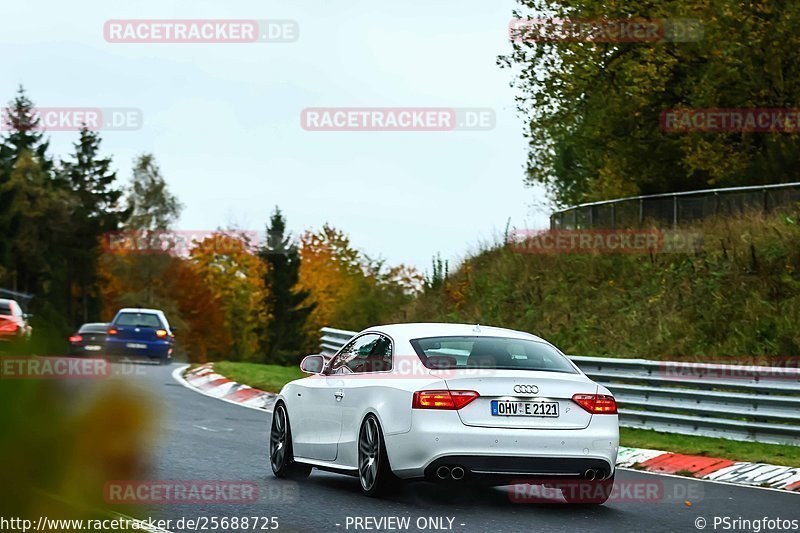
(374, 471)
(369, 454)
(277, 439)
(280, 447)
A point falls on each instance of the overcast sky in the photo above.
(223, 119)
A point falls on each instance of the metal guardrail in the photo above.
(675, 208)
(752, 403)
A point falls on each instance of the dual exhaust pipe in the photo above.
(457, 473)
(594, 474)
(445, 472)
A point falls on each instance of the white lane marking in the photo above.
(708, 481)
(212, 430)
(177, 375)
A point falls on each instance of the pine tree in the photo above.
(27, 190)
(153, 207)
(286, 304)
(97, 211)
(24, 135)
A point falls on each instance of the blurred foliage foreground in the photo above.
(63, 440)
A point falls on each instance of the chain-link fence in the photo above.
(673, 209)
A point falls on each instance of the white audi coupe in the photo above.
(446, 403)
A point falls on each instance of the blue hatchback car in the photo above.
(136, 332)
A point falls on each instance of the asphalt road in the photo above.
(202, 438)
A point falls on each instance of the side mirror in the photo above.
(313, 364)
(173, 329)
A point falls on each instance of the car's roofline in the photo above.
(446, 329)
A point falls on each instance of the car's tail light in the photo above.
(160, 333)
(112, 331)
(75, 338)
(597, 404)
(8, 325)
(442, 399)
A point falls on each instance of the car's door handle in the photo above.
(339, 395)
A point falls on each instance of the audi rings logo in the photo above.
(526, 389)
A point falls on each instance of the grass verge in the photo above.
(775, 454)
(270, 378)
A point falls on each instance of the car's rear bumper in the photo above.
(439, 438)
(153, 349)
(79, 350)
(501, 469)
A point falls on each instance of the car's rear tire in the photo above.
(374, 472)
(281, 458)
(590, 492)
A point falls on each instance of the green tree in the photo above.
(285, 303)
(35, 223)
(153, 210)
(153, 206)
(98, 210)
(25, 134)
(593, 109)
(23, 137)
(439, 272)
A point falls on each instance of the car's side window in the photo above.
(368, 353)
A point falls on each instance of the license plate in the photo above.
(540, 409)
(136, 345)
(92, 348)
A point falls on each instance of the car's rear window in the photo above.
(93, 328)
(142, 320)
(5, 309)
(490, 352)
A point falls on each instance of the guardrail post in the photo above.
(641, 211)
(674, 211)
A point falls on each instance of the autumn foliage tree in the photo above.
(350, 290)
(234, 276)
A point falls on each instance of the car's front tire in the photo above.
(280, 447)
(374, 472)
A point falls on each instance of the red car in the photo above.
(13, 324)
